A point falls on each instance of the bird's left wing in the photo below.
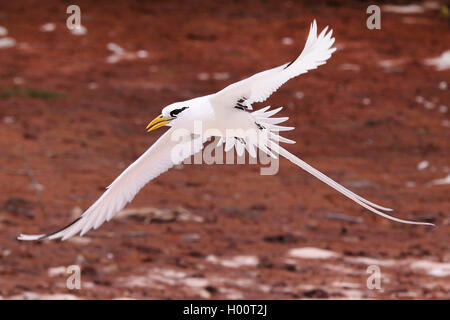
(159, 158)
(259, 87)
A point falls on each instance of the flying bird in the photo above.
(228, 114)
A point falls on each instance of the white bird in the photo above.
(224, 114)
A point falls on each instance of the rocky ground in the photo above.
(73, 111)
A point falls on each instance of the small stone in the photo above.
(203, 76)
(299, 95)
(92, 86)
(190, 237)
(366, 101)
(420, 99)
(287, 41)
(312, 253)
(142, 54)
(115, 48)
(422, 165)
(79, 30)
(9, 120)
(3, 31)
(48, 27)
(7, 42)
(56, 271)
(443, 85)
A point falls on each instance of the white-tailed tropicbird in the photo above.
(223, 111)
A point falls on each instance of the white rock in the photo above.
(7, 42)
(351, 285)
(26, 296)
(142, 54)
(115, 48)
(48, 27)
(80, 240)
(429, 105)
(299, 95)
(265, 288)
(169, 273)
(403, 9)
(60, 296)
(445, 180)
(441, 62)
(114, 58)
(56, 271)
(241, 261)
(235, 262)
(435, 269)
(391, 64)
(312, 253)
(366, 101)
(349, 67)
(420, 99)
(203, 76)
(196, 282)
(92, 85)
(353, 294)
(36, 186)
(287, 41)
(18, 80)
(221, 75)
(422, 165)
(9, 120)
(3, 31)
(79, 30)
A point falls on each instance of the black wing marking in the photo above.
(290, 63)
(240, 104)
(62, 229)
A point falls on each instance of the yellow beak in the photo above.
(159, 121)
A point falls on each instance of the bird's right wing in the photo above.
(159, 158)
(259, 87)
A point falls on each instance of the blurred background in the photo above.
(73, 112)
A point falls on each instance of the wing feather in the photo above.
(155, 161)
(260, 86)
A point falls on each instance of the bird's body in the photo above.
(225, 114)
(201, 110)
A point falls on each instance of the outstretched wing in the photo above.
(159, 158)
(260, 86)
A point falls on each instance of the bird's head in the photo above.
(168, 115)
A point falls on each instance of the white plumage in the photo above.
(223, 111)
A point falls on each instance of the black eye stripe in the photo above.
(175, 112)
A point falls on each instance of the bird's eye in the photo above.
(175, 112)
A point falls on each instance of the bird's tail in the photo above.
(275, 147)
(271, 127)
